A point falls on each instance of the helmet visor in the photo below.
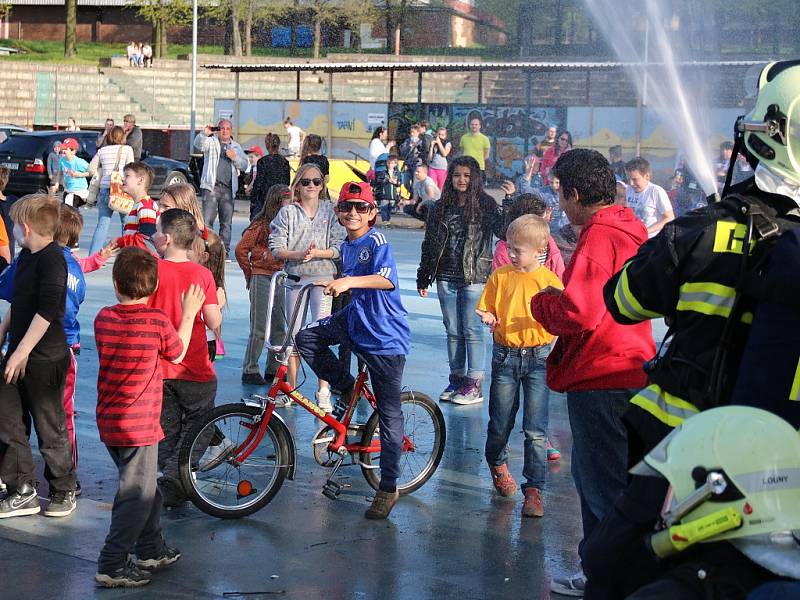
(793, 136)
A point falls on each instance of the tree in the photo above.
(163, 14)
(395, 14)
(357, 12)
(71, 25)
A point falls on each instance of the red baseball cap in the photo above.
(70, 143)
(255, 150)
(357, 190)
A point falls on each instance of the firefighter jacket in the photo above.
(689, 274)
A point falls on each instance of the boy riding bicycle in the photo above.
(373, 325)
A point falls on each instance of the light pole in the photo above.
(193, 118)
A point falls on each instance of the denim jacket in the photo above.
(478, 247)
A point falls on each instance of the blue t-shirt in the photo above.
(376, 319)
(73, 184)
(76, 293)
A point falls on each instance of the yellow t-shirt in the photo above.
(474, 146)
(507, 295)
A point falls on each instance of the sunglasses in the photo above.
(362, 208)
(307, 182)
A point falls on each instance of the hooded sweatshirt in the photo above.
(594, 352)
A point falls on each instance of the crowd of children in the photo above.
(157, 345)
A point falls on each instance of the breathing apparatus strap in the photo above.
(738, 140)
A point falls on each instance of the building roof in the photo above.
(352, 67)
(80, 2)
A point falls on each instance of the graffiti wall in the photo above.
(513, 130)
(351, 125)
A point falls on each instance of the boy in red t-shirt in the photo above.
(190, 387)
(131, 338)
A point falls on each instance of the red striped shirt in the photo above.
(130, 340)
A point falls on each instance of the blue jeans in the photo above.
(219, 202)
(466, 348)
(512, 369)
(599, 450)
(385, 374)
(103, 221)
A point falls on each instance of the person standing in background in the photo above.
(133, 136)
(437, 157)
(476, 145)
(223, 157)
(296, 136)
(102, 139)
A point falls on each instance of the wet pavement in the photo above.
(454, 538)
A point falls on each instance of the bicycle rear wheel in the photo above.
(423, 425)
(215, 481)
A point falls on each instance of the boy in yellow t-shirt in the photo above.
(521, 346)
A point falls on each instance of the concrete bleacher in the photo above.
(45, 94)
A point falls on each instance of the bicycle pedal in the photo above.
(331, 490)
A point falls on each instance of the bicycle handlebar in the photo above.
(302, 297)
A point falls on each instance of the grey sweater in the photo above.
(291, 229)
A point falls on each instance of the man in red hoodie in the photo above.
(597, 361)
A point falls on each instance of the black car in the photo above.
(25, 155)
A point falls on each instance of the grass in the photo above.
(89, 53)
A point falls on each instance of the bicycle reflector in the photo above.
(244, 489)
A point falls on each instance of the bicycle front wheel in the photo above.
(215, 477)
(423, 425)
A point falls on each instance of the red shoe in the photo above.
(552, 451)
(533, 507)
(503, 481)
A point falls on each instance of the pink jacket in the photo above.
(554, 260)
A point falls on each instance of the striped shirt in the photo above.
(109, 159)
(130, 340)
(142, 218)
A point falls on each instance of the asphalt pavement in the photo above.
(454, 538)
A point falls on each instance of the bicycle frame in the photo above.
(280, 385)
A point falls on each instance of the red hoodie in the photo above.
(594, 352)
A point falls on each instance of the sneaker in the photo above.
(470, 392)
(324, 399)
(171, 492)
(61, 504)
(573, 585)
(552, 452)
(128, 575)
(216, 455)
(23, 501)
(448, 392)
(253, 379)
(533, 506)
(503, 481)
(78, 490)
(382, 504)
(283, 401)
(165, 557)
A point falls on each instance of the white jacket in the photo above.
(210, 147)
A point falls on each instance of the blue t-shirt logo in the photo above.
(364, 256)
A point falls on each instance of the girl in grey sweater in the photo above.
(307, 236)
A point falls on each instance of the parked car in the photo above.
(25, 155)
(6, 129)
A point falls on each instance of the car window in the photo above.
(24, 146)
(88, 147)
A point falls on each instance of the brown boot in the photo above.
(503, 481)
(382, 505)
(533, 507)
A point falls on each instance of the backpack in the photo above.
(380, 178)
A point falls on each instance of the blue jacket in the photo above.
(76, 292)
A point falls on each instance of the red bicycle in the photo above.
(234, 462)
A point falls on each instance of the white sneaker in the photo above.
(573, 585)
(216, 455)
(283, 401)
(324, 399)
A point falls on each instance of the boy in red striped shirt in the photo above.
(131, 339)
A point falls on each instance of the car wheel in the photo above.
(175, 177)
